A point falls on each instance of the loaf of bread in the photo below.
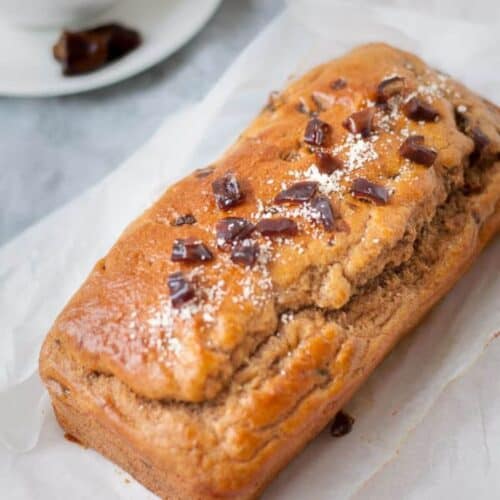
(236, 316)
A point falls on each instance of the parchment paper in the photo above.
(425, 421)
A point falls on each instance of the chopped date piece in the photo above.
(366, 190)
(299, 192)
(323, 101)
(280, 226)
(190, 250)
(232, 229)
(227, 192)
(184, 219)
(338, 84)
(200, 173)
(462, 121)
(302, 107)
(416, 139)
(245, 252)
(122, 40)
(360, 122)
(322, 205)
(316, 132)
(341, 424)
(481, 140)
(181, 291)
(80, 53)
(418, 110)
(413, 149)
(87, 50)
(388, 88)
(328, 163)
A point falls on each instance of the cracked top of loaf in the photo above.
(329, 186)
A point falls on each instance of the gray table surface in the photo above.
(53, 149)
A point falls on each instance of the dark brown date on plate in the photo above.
(87, 50)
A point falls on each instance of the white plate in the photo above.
(27, 67)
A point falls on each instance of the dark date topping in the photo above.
(87, 50)
(232, 229)
(299, 192)
(328, 163)
(341, 424)
(388, 88)
(182, 220)
(181, 291)
(338, 84)
(227, 192)
(302, 107)
(316, 132)
(200, 173)
(322, 205)
(280, 226)
(481, 140)
(413, 149)
(190, 250)
(245, 252)
(418, 110)
(366, 190)
(360, 122)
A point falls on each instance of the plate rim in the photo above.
(127, 71)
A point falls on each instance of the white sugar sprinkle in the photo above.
(358, 151)
(327, 183)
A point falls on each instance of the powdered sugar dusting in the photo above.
(327, 184)
(358, 151)
(254, 286)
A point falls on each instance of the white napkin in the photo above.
(439, 382)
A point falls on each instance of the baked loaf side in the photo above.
(235, 317)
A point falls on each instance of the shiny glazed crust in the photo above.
(211, 399)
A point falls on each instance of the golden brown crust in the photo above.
(217, 395)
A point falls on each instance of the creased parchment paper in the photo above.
(425, 421)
